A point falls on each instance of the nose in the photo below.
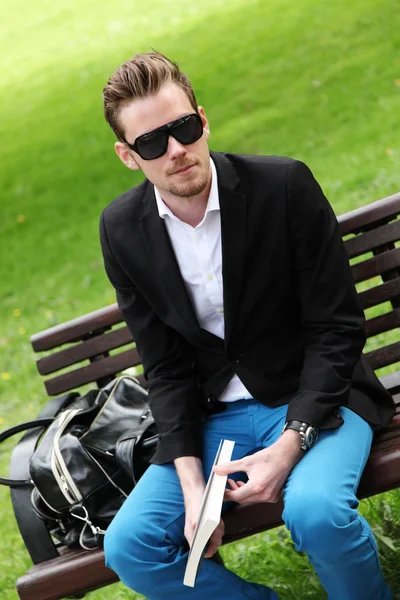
(175, 149)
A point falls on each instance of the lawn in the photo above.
(319, 81)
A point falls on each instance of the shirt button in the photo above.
(210, 276)
(221, 310)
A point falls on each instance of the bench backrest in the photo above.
(97, 346)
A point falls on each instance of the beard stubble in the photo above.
(187, 189)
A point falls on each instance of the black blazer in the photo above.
(294, 330)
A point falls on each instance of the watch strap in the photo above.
(302, 428)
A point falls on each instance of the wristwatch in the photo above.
(308, 433)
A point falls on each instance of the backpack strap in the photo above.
(34, 532)
(4, 435)
(128, 445)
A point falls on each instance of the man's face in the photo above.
(183, 170)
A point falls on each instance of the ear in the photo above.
(126, 155)
(206, 126)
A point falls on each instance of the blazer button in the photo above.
(237, 361)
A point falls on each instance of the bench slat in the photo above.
(368, 214)
(93, 372)
(382, 357)
(77, 329)
(385, 322)
(381, 293)
(391, 382)
(376, 266)
(85, 350)
(373, 239)
(382, 436)
(63, 576)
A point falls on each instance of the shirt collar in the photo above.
(213, 198)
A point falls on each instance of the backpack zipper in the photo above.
(110, 479)
(118, 381)
(60, 471)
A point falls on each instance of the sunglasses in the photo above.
(154, 144)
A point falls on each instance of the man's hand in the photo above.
(190, 474)
(267, 471)
(192, 506)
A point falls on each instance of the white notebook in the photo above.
(210, 513)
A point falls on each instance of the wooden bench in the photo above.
(87, 350)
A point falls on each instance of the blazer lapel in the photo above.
(233, 233)
(164, 261)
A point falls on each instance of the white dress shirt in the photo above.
(199, 256)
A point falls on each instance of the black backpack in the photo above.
(88, 459)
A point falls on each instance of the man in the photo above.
(232, 277)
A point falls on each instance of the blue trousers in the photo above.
(145, 544)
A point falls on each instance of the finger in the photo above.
(211, 550)
(250, 499)
(215, 540)
(242, 493)
(222, 526)
(231, 467)
(234, 485)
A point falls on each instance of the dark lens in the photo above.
(188, 130)
(151, 145)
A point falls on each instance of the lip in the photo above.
(183, 170)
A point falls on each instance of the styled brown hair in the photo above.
(141, 76)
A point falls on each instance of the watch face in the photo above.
(311, 436)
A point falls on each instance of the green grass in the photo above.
(316, 80)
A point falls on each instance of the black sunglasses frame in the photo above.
(166, 131)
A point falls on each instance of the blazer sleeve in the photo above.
(168, 366)
(331, 318)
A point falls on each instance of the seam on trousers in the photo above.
(169, 538)
(253, 429)
(367, 450)
(367, 534)
(364, 533)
